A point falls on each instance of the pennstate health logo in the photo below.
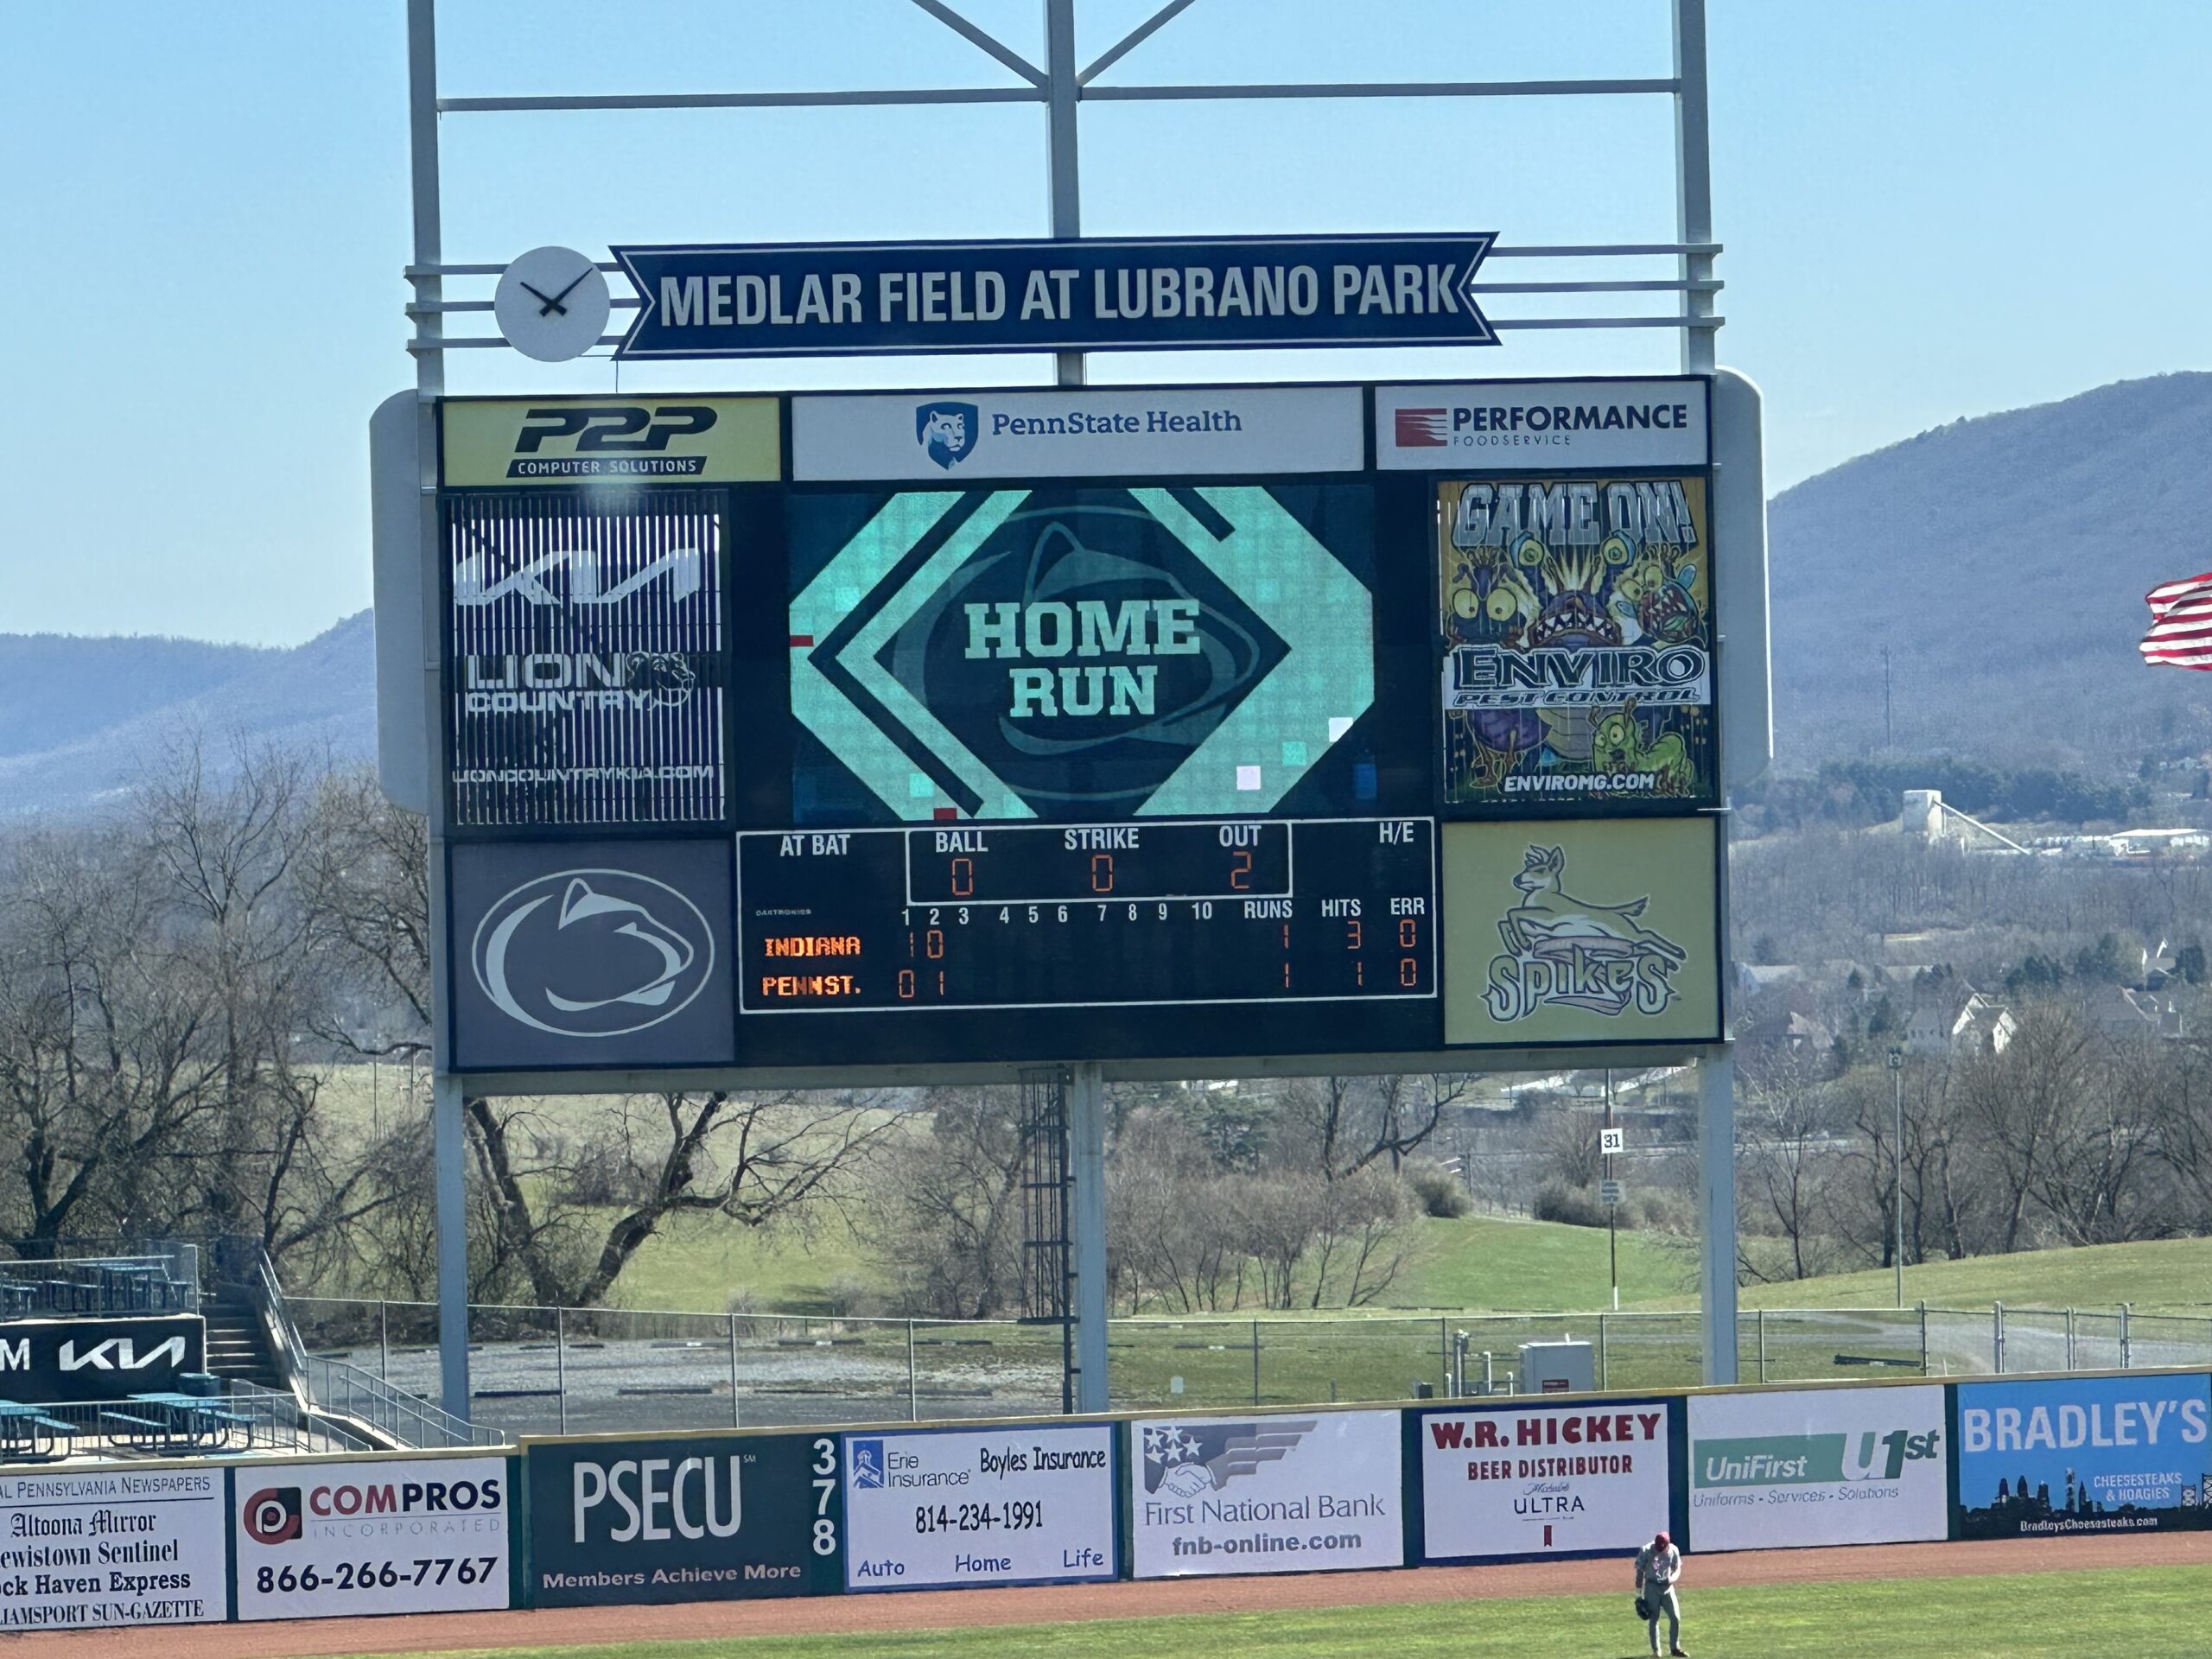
(1188, 1459)
(1576, 953)
(592, 953)
(948, 431)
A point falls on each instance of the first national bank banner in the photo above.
(1266, 1494)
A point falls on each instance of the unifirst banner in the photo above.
(1806, 1467)
(937, 1507)
(2076, 1455)
(408, 1535)
(1197, 432)
(84, 1548)
(1266, 1494)
(1510, 1483)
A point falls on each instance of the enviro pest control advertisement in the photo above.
(1266, 1494)
(409, 1535)
(85, 1549)
(2084, 1455)
(1813, 1466)
(1577, 623)
(1022, 1505)
(616, 1520)
(1498, 1484)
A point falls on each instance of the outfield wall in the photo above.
(624, 1520)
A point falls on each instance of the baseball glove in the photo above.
(1643, 1609)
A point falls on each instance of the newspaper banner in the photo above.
(1807, 1467)
(1254, 1494)
(1578, 626)
(2084, 1455)
(935, 1507)
(1506, 1483)
(411, 1536)
(95, 1548)
(682, 1517)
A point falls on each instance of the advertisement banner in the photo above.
(1235, 1495)
(955, 1506)
(2084, 1455)
(661, 437)
(590, 953)
(1509, 1481)
(1808, 1467)
(585, 672)
(692, 1517)
(408, 1535)
(1511, 425)
(1594, 932)
(86, 1548)
(1577, 620)
(45, 1361)
(1079, 434)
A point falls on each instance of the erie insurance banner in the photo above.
(1577, 618)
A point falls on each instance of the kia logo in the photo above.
(593, 953)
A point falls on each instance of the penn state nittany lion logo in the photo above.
(662, 675)
(947, 432)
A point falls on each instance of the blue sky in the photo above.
(1931, 208)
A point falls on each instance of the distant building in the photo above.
(2125, 1015)
(1953, 1018)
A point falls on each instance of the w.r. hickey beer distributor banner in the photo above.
(1552, 1480)
(1266, 1494)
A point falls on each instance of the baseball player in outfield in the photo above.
(1658, 1570)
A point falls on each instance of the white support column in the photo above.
(1694, 177)
(1716, 1200)
(1062, 93)
(1087, 1221)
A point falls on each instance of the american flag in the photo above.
(2181, 624)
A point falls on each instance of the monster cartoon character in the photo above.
(1491, 603)
(1619, 746)
(1655, 602)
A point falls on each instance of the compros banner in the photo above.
(404, 1536)
(1813, 1466)
(955, 1506)
(1506, 1482)
(2083, 1455)
(685, 1517)
(1267, 1494)
(90, 1547)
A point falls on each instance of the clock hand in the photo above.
(551, 305)
(555, 301)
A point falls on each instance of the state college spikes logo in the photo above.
(947, 432)
(1571, 952)
(1424, 429)
(592, 953)
(1188, 1459)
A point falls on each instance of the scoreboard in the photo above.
(974, 729)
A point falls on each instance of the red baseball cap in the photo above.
(1660, 1541)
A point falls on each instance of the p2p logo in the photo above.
(613, 428)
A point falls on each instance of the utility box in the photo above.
(1558, 1368)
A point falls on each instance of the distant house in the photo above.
(1953, 1018)
(2124, 1014)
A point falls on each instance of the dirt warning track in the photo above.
(1055, 1603)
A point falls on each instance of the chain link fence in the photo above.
(539, 1370)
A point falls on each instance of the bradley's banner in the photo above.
(1100, 293)
(2078, 1455)
(1577, 616)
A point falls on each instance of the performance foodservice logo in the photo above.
(1188, 1459)
(1423, 429)
(1565, 951)
(592, 953)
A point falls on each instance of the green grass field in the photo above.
(2148, 1613)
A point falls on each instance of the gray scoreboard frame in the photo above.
(411, 736)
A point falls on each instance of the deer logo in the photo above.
(1575, 952)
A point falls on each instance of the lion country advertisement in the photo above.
(619, 1519)
(1803, 1468)
(1030, 1504)
(86, 1548)
(1266, 1494)
(408, 1535)
(1577, 624)
(2084, 1455)
(1593, 932)
(1557, 1480)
